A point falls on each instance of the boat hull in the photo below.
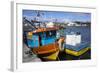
(50, 57)
(49, 52)
(76, 53)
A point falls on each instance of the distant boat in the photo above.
(50, 24)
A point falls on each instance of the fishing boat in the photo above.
(75, 46)
(43, 41)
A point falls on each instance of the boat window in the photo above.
(47, 34)
(42, 34)
(51, 34)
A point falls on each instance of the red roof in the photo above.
(45, 29)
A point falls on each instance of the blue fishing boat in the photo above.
(80, 40)
(43, 41)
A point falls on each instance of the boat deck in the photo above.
(46, 49)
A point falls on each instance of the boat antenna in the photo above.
(24, 18)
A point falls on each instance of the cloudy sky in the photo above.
(60, 16)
